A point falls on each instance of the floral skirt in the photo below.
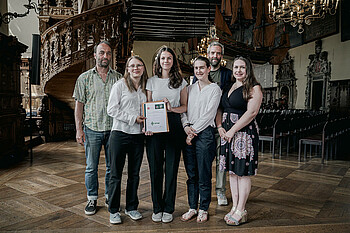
(240, 156)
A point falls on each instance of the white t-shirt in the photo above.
(160, 90)
(202, 106)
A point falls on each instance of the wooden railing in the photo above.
(59, 8)
(71, 41)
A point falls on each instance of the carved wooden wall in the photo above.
(67, 51)
(339, 97)
(11, 112)
(286, 81)
(317, 92)
(55, 11)
(71, 41)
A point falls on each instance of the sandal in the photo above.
(231, 221)
(202, 216)
(230, 213)
(188, 215)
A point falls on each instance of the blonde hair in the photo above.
(128, 80)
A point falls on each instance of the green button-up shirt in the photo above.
(93, 92)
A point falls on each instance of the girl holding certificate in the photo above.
(164, 149)
(126, 137)
(199, 123)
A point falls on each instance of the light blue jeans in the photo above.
(93, 145)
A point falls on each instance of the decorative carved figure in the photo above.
(319, 69)
(285, 77)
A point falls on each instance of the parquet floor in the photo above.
(286, 196)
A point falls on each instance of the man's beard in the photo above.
(103, 63)
(215, 63)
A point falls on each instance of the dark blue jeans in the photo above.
(198, 159)
(121, 144)
(94, 140)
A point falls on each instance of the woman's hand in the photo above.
(190, 131)
(229, 135)
(140, 119)
(222, 132)
(147, 133)
(168, 105)
(189, 139)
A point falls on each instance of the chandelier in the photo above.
(205, 41)
(202, 47)
(299, 12)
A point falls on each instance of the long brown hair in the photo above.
(175, 71)
(128, 80)
(250, 80)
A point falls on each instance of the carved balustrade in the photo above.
(71, 41)
(59, 8)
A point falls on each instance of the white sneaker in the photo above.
(222, 200)
(133, 214)
(115, 218)
(157, 217)
(167, 217)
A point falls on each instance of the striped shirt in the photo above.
(93, 92)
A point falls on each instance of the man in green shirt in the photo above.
(93, 125)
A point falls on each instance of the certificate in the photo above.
(156, 117)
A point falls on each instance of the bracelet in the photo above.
(186, 125)
(219, 127)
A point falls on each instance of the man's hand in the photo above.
(80, 137)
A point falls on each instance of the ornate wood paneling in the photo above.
(11, 112)
(339, 97)
(71, 41)
(286, 82)
(56, 10)
(67, 51)
(317, 92)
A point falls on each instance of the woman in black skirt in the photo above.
(240, 103)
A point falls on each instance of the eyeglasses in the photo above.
(135, 66)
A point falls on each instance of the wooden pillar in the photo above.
(12, 114)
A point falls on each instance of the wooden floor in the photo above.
(286, 196)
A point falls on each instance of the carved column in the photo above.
(11, 112)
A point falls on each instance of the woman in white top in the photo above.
(126, 137)
(199, 123)
(164, 149)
